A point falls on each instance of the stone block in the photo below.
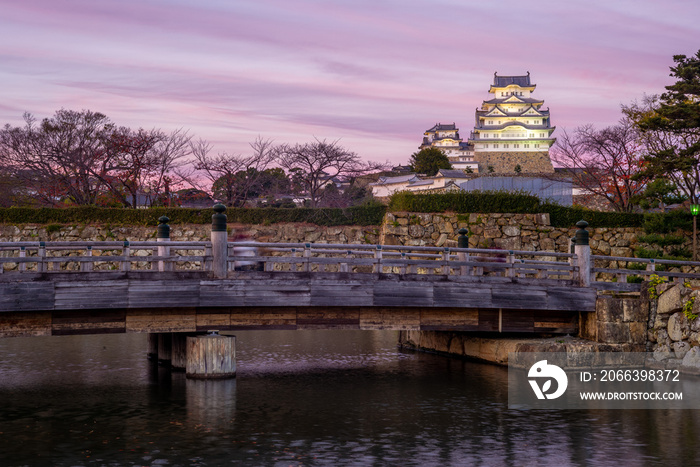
(670, 300)
(692, 358)
(391, 240)
(613, 333)
(662, 337)
(633, 310)
(416, 230)
(638, 332)
(456, 347)
(471, 346)
(511, 231)
(678, 327)
(609, 310)
(492, 233)
(542, 219)
(680, 348)
(662, 352)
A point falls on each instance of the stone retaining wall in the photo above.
(674, 326)
(506, 161)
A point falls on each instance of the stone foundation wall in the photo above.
(531, 232)
(285, 233)
(505, 162)
(674, 326)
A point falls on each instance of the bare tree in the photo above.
(56, 159)
(315, 165)
(233, 176)
(604, 162)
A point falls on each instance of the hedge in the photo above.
(357, 215)
(465, 202)
(519, 202)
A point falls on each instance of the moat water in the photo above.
(302, 398)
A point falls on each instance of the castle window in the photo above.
(486, 145)
(495, 146)
(526, 145)
(516, 145)
(505, 146)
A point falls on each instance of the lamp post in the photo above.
(694, 210)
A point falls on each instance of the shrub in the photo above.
(667, 222)
(661, 240)
(510, 202)
(356, 215)
(465, 202)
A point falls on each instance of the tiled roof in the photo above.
(502, 100)
(421, 183)
(503, 81)
(512, 123)
(441, 127)
(392, 180)
(515, 114)
(451, 173)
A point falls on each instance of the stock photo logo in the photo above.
(545, 373)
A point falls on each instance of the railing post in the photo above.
(344, 266)
(510, 272)
(446, 260)
(126, 253)
(22, 254)
(651, 265)
(583, 254)
(307, 257)
(463, 242)
(40, 265)
(85, 266)
(378, 257)
(219, 242)
(164, 236)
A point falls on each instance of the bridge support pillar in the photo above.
(179, 354)
(152, 352)
(165, 348)
(211, 356)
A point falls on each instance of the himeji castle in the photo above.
(512, 129)
(512, 132)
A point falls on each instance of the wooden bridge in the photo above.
(51, 288)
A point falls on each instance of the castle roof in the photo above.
(441, 127)
(448, 173)
(485, 112)
(516, 99)
(505, 81)
(514, 123)
(392, 180)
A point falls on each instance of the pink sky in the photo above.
(374, 74)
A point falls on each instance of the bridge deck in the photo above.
(65, 303)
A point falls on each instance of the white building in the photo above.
(512, 120)
(446, 138)
(444, 180)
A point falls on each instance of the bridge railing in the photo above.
(625, 274)
(104, 256)
(362, 258)
(22, 257)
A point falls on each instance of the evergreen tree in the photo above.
(428, 161)
(670, 126)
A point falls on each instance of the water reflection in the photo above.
(309, 398)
